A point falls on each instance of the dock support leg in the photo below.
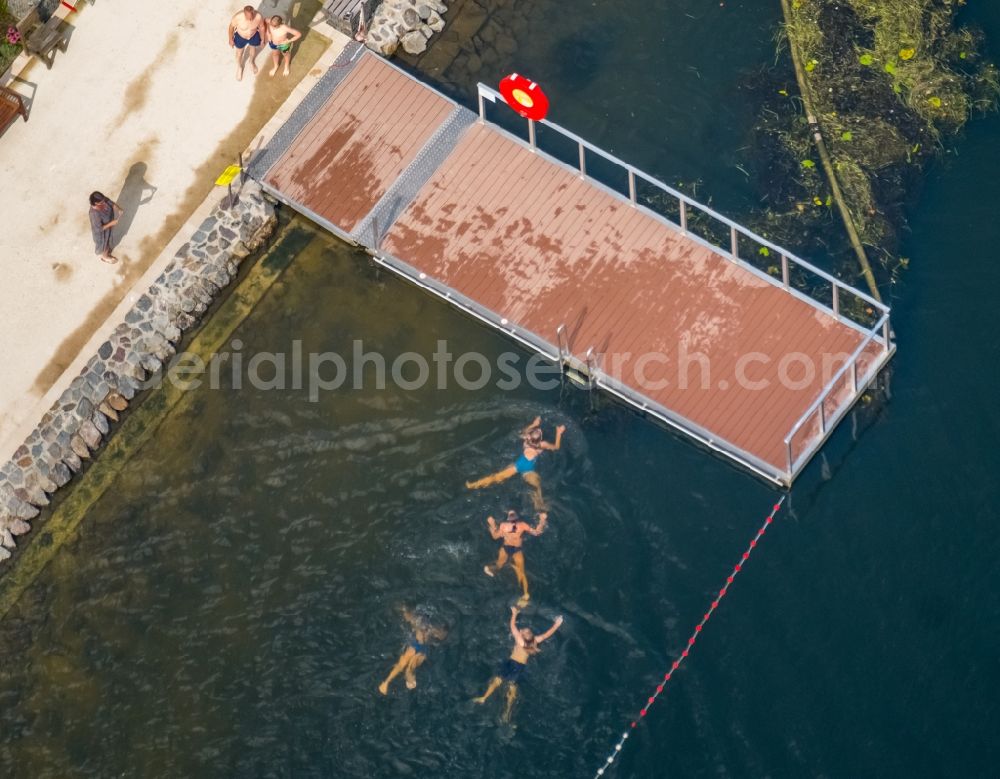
(562, 354)
(590, 377)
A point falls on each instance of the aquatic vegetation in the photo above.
(10, 42)
(890, 82)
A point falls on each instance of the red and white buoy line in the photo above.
(694, 637)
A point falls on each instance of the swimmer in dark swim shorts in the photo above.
(525, 645)
(511, 531)
(246, 28)
(415, 651)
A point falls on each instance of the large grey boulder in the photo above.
(414, 42)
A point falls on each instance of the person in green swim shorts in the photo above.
(280, 38)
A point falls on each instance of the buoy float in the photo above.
(525, 97)
(676, 664)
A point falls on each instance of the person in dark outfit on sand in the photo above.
(104, 215)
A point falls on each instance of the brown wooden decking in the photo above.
(542, 247)
(359, 143)
(539, 246)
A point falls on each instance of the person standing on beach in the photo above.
(511, 532)
(526, 644)
(104, 215)
(280, 38)
(247, 28)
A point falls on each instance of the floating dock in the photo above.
(577, 255)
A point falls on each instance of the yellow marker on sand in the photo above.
(228, 175)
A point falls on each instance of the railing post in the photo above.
(531, 133)
(822, 416)
(631, 185)
(885, 333)
(789, 444)
(836, 300)
(784, 270)
(562, 358)
(734, 242)
(854, 376)
(588, 359)
(482, 106)
(590, 377)
(583, 159)
(684, 215)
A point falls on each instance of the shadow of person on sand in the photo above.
(132, 196)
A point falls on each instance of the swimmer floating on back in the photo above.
(415, 651)
(511, 531)
(534, 445)
(525, 645)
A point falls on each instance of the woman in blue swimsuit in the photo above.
(415, 651)
(534, 445)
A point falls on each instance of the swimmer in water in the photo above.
(511, 532)
(534, 445)
(525, 645)
(415, 651)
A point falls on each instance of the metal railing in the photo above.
(857, 386)
(788, 261)
(879, 333)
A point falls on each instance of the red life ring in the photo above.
(525, 97)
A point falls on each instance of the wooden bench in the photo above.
(11, 106)
(340, 14)
(44, 40)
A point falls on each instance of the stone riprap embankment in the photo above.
(406, 23)
(137, 349)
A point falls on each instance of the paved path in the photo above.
(144, 106)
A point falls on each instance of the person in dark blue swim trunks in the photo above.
(247, 28)
(533, 445)
(525, 645)
(511, 532)
(415, 651)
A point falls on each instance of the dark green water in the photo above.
(229, 607)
